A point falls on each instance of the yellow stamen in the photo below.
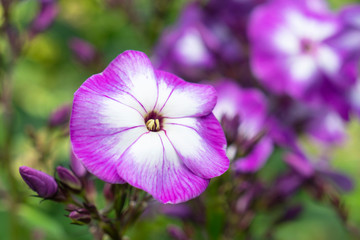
(150, 124)
(157, 124)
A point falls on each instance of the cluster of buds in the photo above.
(76, 190)
(48, 187)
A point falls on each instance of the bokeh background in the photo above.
(46, 74)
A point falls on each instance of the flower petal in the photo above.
(137, 73)
(328, 60)
(111, 87)
(152, 164)
(300, 164)
(256, 158)
(102, 127)
(328, 127)
(200, 142)
(279, 31)
(100, 154)
(302, 68)
(178, 98)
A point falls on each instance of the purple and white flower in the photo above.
(293, 46)
(149, 128)
(185, 49)
(249, 107)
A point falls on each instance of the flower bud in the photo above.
(60, 116)
(80, 216)
(342, 181)
(43, 184)
(300, 164)
(68, 178)
(108, 192)
(176, 233)
(84, 52)
(290, 214)
(46, 16)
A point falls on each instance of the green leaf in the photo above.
(34, 218)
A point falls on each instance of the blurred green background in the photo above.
(45, 77)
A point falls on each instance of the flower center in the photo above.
(153, 121)
(153, 125)
(308, 46)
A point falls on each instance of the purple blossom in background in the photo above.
(349, 38)
(200, 46)
(149, 128)
(46, 16)
(41, 183)
(350, 15)
(233, 13)
(354, 98)
(256, 158)
(186, 48)
(291, 46)
(249, 107)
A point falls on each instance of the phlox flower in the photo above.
(186, 48)
(149, 128)
(295, 46)
(246, 111)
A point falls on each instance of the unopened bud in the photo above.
(83, 51)
(176, 233)
(80, 216)
(68, 178)
(45, 17)
(290, 214)
(43, 184)
(60, 116)
(108, 192)
(300, 164)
